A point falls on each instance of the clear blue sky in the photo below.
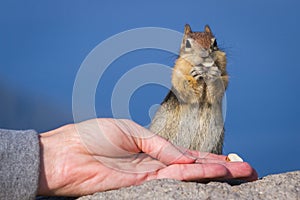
(43, 43)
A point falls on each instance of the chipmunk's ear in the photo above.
(207, 29)
(187, 29)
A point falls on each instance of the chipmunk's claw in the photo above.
(209, 74)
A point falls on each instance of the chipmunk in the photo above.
(191, 113)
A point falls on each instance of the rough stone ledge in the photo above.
(278, 186)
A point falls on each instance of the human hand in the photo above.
(103, 154)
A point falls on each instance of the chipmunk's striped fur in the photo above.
(191, 113)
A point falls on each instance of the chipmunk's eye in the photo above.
(214, 45)
(188, 44)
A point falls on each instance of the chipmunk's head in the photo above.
(201, 48)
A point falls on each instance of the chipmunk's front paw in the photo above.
(208, 74)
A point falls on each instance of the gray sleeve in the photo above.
(19, 164)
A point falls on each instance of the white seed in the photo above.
(208, 64)
(232, 157)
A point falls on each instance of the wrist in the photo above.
(48, 147)
(53, 152)
(43, 188)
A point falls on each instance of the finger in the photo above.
(205, 155)
(241, 170)
(237, 169)
(205, 172)
(191, 172)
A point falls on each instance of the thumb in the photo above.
(165, 151)
(156, 146)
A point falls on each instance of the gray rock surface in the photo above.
(280, 186)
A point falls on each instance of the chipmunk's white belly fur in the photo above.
(199, 128)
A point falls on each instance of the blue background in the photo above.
(43, 43)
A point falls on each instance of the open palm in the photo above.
(104, 154)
